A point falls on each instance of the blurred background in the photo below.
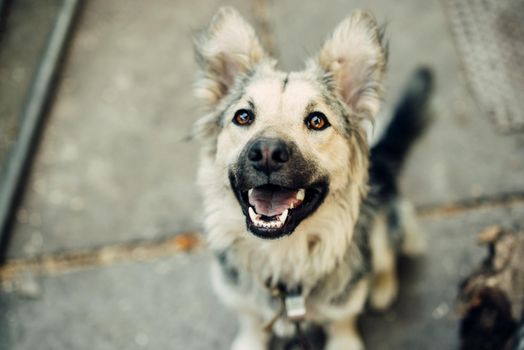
(101, 241)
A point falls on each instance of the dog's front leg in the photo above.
(251, 335)
(343, 335)
(342, 328)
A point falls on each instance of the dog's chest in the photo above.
(290, 263)
(321, 282)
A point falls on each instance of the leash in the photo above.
(292, 306)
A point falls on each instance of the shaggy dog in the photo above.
(304, 219)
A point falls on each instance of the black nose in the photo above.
(268, 155)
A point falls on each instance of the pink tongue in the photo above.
(271, 202)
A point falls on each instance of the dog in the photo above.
(304, 218)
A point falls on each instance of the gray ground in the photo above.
(113, 168)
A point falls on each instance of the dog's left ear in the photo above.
(228, 49)
(353, 59)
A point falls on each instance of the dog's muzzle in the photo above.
(276, 187)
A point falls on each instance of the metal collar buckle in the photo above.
(292, 305)
(295, 305)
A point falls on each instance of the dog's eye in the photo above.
(317, 121)
(243, 117)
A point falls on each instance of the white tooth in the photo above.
(292, 206)
(252, 215)
(301, 194)
(283, 216)
(249, 192)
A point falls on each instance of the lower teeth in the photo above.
(277, 222)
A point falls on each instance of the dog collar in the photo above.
(292, 304)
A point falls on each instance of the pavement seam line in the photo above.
(444, 210)
(57, 263)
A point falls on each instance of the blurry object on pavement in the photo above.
(491, 299)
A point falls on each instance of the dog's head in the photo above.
(285, 143)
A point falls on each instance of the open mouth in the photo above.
(273, 211)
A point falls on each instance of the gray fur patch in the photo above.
(395, 225)
(228, 269)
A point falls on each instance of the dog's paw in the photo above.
(345, 342)
(248, 342)
(414, 244)
(384, 291)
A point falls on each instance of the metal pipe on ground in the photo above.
(31, 118)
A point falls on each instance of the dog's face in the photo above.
(283, 143)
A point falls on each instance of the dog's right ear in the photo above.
(228, 49)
